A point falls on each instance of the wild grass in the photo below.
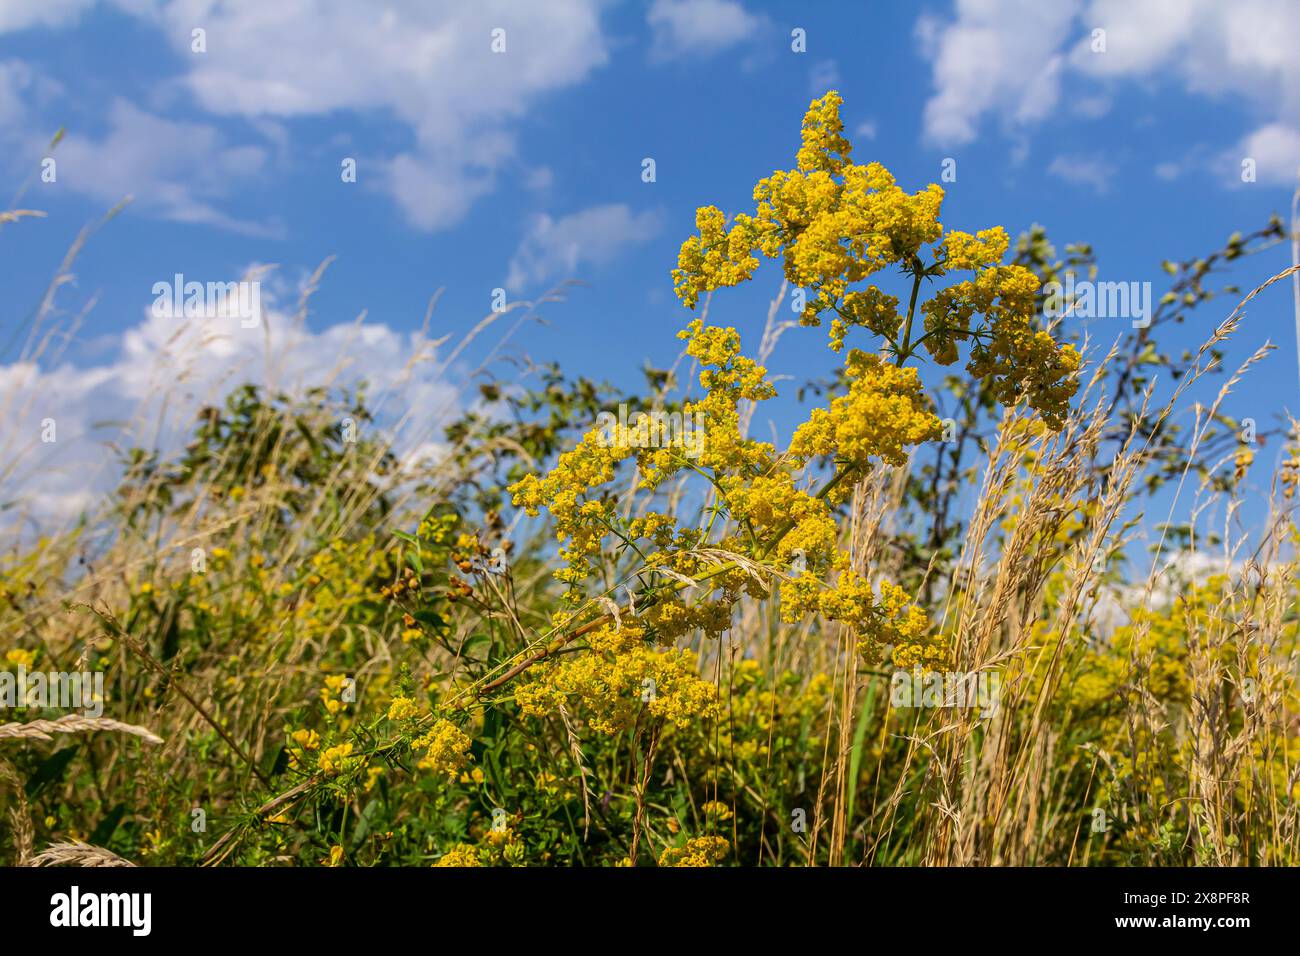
(236, 594)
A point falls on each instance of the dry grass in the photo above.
(1206, 775)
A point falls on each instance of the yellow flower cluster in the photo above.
(337, 759)
(716, 811)
(460, 855)
(671, 618)
(832, 223)
(18, 657)
(891, 620)
(961, 250)
(715, 258)
(698, 851)
(883, 412)
(870, 309)
(621, 679)
(446, 749)
(1019, 360)
(402, 708)
(331, 693)
(582, 523)
(728, 378)
(773, 720)
(771, 503)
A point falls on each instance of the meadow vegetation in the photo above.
(547, 648)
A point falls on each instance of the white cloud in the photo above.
(682, 28)
(1091, 171)
(1009, 58)
(1092, 107)
(557, 248)
(428, 64)
(1275, 148)
(15, 78)
(866, 129)
(1244, 48)
(173, 169)
(24, 14)
(165, 369)
(1168, 171)
(997, 55)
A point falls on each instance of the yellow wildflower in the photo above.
(698, 851)
(18, 657)
(402, 708)
(446, 749)
(337, 759)
(462, 854)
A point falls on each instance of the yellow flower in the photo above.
(329, 694)
(335, 857)
(961, 250)
(698, 851)
(402, 708)
(19, 657)
(337, 759)
(716, 810)
(446, 749)
(306, 739)
(883, 413)
(462, 854)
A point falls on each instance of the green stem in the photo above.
(906, 351)
(784, 529)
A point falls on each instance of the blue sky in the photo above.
(520, 169)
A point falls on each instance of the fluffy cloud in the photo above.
(428, 64)
(172, 169)
(996, 55)
(24, 14)
(557, 248)
(1091, 171)
(1275, 148)
(1009, 58)
(166, 368)
(681, 28)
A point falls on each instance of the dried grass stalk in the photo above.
(73, 724)
(76, 853)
